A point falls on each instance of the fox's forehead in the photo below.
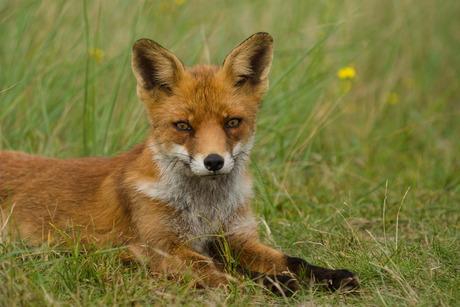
(205, 81)
(205, 92)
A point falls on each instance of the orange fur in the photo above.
(170, 198)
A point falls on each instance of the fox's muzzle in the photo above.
(213, 162)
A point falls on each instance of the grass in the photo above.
(360, 173)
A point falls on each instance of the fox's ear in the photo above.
(155, 67)
(248, 65)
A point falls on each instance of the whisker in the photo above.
(152, 145)
(241, 155)
(184, 155)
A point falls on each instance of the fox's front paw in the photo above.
(281, 285)
(334, 280)
(339, 280)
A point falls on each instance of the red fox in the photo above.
(177, 197)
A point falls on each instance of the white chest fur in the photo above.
(204, 206)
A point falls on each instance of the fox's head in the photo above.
(203, 116)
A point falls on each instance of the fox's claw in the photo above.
(340, 280)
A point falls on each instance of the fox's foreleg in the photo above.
(260, 261)
(177, 262)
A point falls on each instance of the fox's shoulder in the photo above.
(16, 164)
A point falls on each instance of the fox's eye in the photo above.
(182, 126)
(233, 123)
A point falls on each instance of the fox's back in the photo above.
(36, 176)
(43, 192)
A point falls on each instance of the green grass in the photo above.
(362, 174)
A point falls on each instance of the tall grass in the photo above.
(361, 173)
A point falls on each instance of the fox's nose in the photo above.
(213, 162)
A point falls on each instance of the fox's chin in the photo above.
(211, 175)
(202, 173)
(214, 176)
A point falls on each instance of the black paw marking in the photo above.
(339, 280)
(333, 280)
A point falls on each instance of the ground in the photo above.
(356, 162)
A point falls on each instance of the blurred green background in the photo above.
(357, 157)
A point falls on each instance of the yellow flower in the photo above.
(346, 73)
(97, 54)
(179, 2)
(392, 98)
